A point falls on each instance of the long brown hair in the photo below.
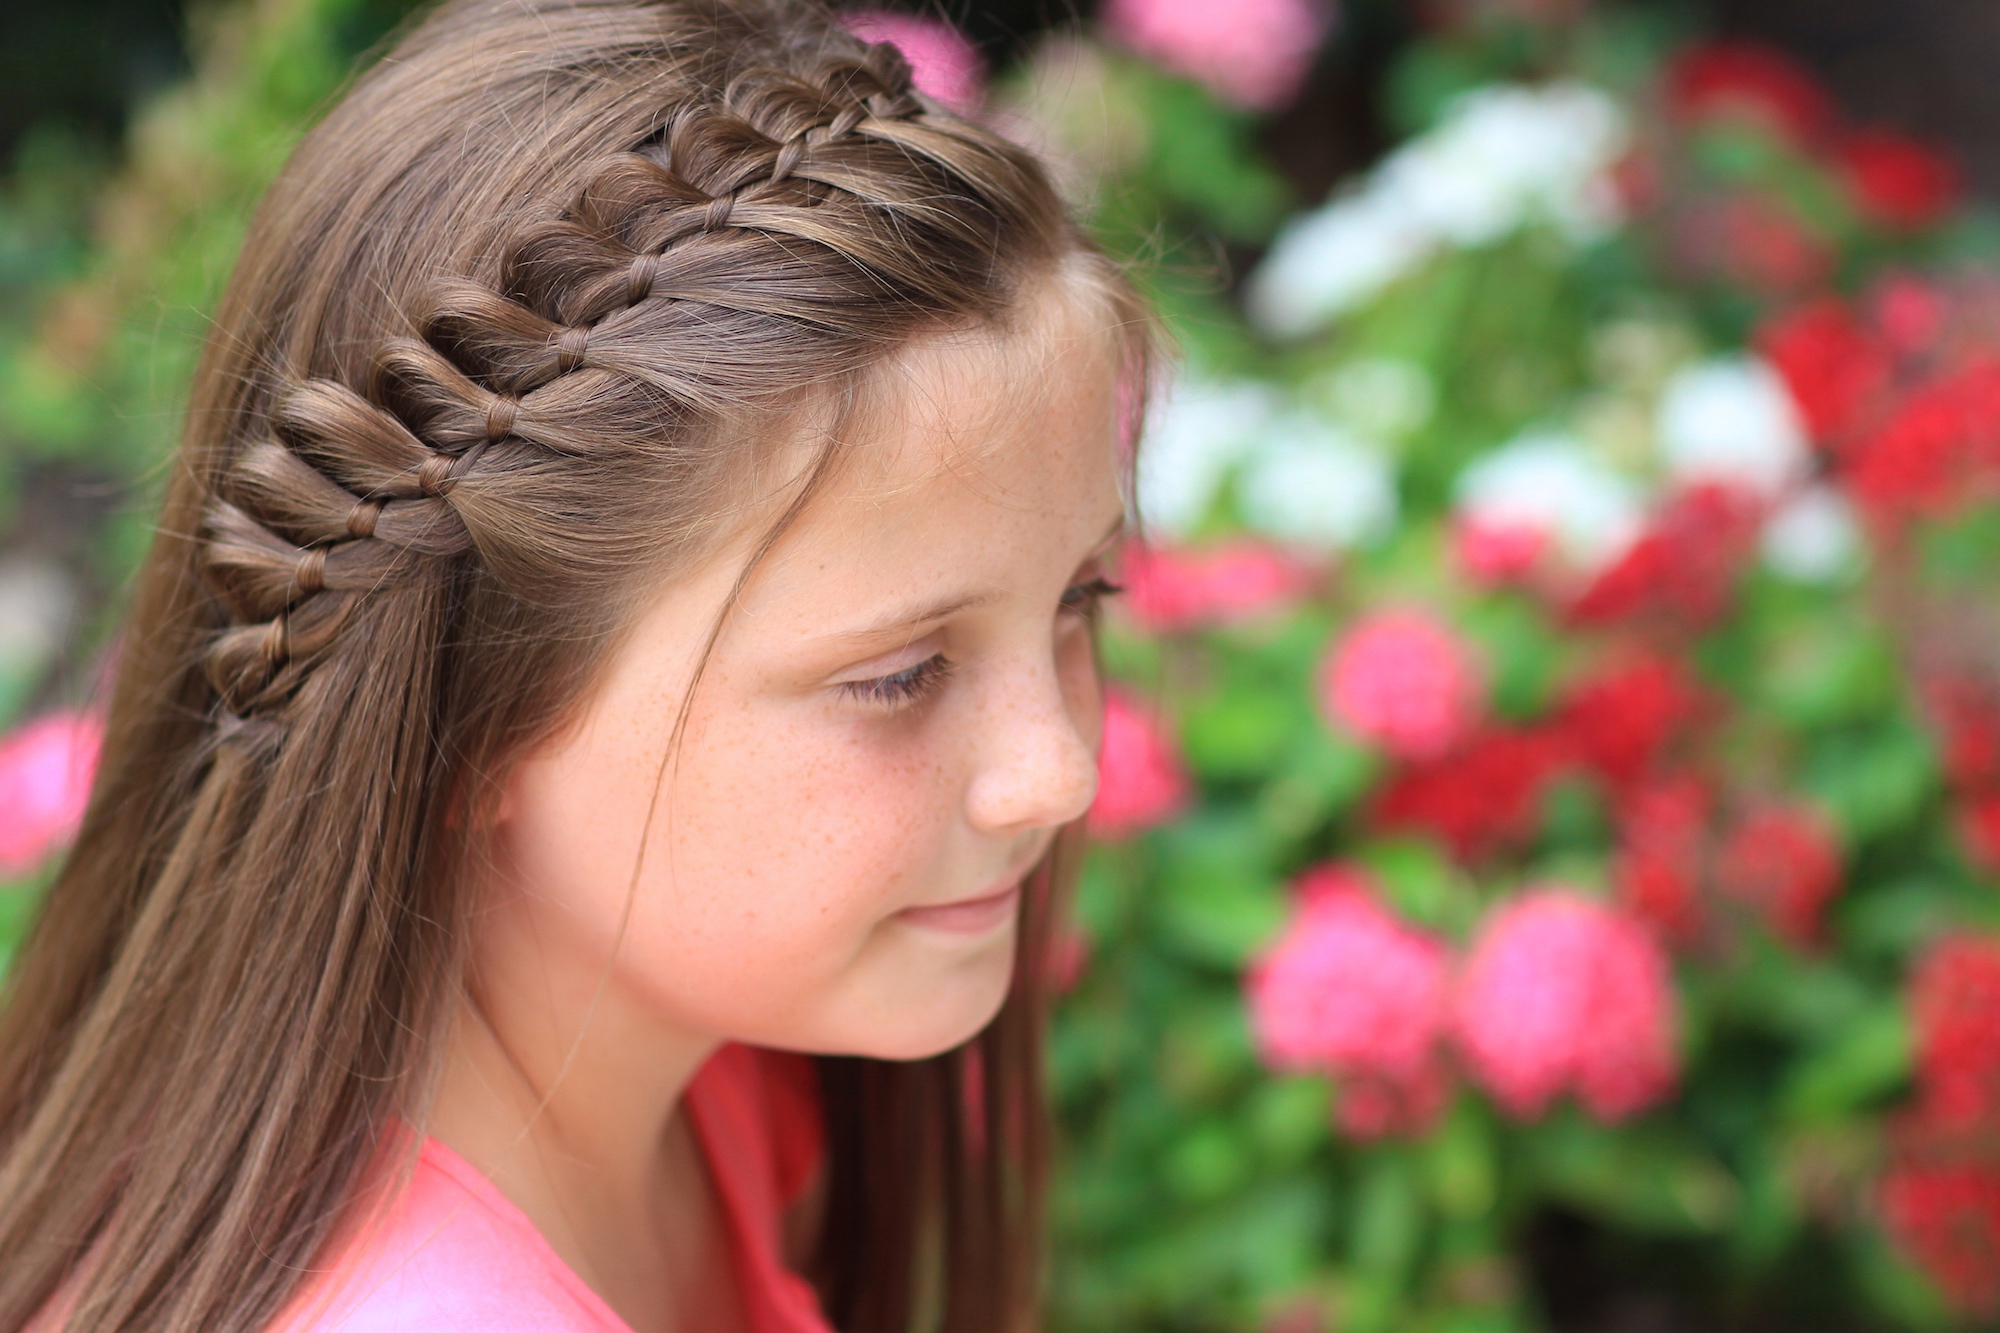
(506, 340)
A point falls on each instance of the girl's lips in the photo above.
(967, 916)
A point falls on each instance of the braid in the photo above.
(351, 497)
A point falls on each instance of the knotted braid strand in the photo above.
(349, 496)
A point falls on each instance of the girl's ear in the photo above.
(497, 810)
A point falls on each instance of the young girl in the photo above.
(596, 730)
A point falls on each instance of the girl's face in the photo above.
(899, 713)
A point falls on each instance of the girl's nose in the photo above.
(1037, 766)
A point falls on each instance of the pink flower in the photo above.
(1403, 681)
(1169, 588)
(1254, 54)
(1564, 994)
(1140, 781)
(45, 772)
(1493, 554)
(1351, 990)
(943, 65)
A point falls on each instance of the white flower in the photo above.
(1195, 432)
(1330, 261)
(1313, 483)
(1731, 420)
(1813, 537)
(1506, 155)
(1552, 484)
(1501, 157)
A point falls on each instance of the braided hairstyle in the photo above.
(530, 322)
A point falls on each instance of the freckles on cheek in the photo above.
(818, 826)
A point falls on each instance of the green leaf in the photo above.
(1866, 1060)
(1388, 1214)
(1876, 781)
(1463, 1164)
(1218, 901)
(1289, 1118)
(1207, 1163)
(1649, 1178)
(1236, 734)
(1420, 883)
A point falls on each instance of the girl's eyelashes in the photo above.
(914, 683)
(1083, 598)
(903, 687)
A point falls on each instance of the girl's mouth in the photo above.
(967, 916)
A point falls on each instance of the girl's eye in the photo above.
(902, 687)
(1083, 598)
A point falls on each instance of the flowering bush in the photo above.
(1591, 852)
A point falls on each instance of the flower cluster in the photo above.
(1560, 994)
(1762, 233)
(1352, 990)
(1563, 994)
(1402, 680)
(1941, 1196)
(1502, 158)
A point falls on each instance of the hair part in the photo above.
(510, 337)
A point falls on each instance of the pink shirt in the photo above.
(453, 1254)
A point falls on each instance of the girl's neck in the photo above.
(566, 1096)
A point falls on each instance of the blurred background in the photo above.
(1548, 866)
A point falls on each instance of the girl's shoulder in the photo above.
(451, 1253)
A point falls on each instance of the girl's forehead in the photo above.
(956, 402)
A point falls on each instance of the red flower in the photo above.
(1964, 713)
(1910, 312)
(1140, 781)
(1405, 681)
(1170, 589)
(1565, 994)
(1784, 862)
(1934, 452)
(1897, 182)
(1955, 1007)
(1481, 797)
(1684, 565)
(1621, 720)
(1946, 1216)
(1833, 365)
(1663, 838)
(1978, 823)
(1350, 989)
(1751, 82)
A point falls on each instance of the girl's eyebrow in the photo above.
(920, 615)
(946, 607)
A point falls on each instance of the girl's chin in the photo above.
(946, 1016)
